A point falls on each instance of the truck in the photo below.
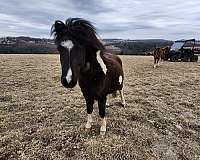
(182, 50)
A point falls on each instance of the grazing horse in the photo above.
(83, 58)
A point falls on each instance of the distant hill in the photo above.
(136, 47)
(27, 45)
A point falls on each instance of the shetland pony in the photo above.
(84, 60)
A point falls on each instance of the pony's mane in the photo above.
(78, 30)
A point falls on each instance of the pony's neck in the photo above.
(92, 65)
(90, 55)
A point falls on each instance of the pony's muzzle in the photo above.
(67, 83)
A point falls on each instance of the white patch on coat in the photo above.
(100, 61)
(103, 126)
(67, 44)
(120, 79)
(89, 122)
(69, 75)
(122, 97)
(108, 100)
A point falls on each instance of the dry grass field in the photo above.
(40, 119)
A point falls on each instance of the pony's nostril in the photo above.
(63, 79)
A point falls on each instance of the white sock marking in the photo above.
(89, 121)
(108, 100)
(69, 75)
(100, 61)
(122, 97)
(103, 125)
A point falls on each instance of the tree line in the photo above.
(27, 45)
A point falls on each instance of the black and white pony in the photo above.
(84, 59)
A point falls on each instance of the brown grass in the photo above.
(39, 119)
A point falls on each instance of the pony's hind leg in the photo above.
(154, 66)
(122, 97)
(102, 111)
(158, 62)
(89, 103)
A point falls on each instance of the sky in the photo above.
(126, 19)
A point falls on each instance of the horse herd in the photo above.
(85, 60)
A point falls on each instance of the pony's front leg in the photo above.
(154, 66)
(108, 100)
(102, 111)
(89, 103)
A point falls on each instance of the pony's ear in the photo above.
(59, 25)
(58, 28)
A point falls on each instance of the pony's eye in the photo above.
(62, 49)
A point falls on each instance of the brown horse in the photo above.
(157, 56)
(164, 51)
(160, 54)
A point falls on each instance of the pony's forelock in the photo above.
(78, 30)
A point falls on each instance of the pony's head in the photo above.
(74, 39)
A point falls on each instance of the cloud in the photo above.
(130, 19)
(90, 6)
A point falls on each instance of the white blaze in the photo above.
(100, 61)
(67, 44)
(69, 75)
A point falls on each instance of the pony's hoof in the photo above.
(123, 104)
(88, 126)
(102, 133)
(103, 130)
(87, 130)
(107, 105)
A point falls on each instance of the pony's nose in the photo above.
(69, 76)
(68, 79)
(67, 84)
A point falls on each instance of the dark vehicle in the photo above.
(182, 50)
